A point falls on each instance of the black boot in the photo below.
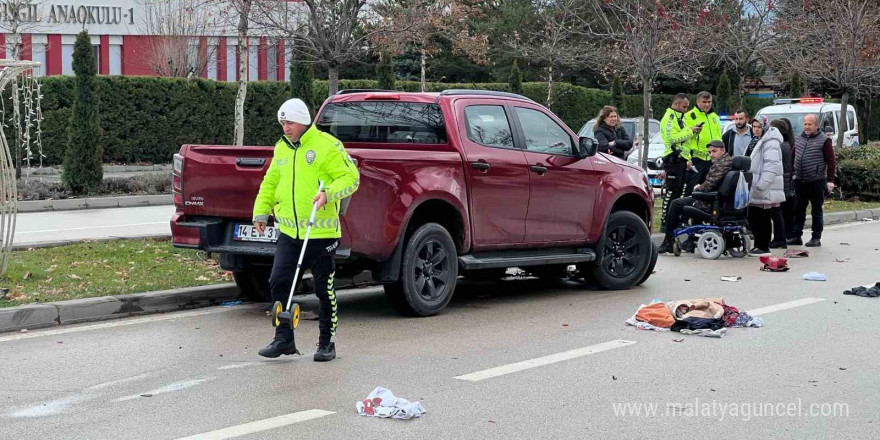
(778, 244)
(796, 241)
(814, 242)
(283, 343)
(666, 246)
(326, 352)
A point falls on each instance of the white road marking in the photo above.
(261, 425)
(241, 365)
(170, 388)
(123, 322)
(784, 306)
(101, 386)
(544, 360)
(90, 227)
(52, 407)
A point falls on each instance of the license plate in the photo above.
(655, 181)
(249, 233)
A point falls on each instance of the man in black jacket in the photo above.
(814, 169)
(737, 140)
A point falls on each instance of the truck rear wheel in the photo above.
(428, 273)
(623, 253)
(253, 281)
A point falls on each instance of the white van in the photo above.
(794, 109)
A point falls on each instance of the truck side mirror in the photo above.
(587, 147)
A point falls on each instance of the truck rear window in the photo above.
(384, 122)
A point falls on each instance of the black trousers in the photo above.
(763, 222)
(675, 169)
(697, 177)
(319, 258)
(788, 217)
(812, 193)
(675, 211)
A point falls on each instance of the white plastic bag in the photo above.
(741, 196)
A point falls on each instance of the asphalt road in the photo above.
(49, 227)
(811, 372)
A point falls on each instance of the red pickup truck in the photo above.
(456, 183)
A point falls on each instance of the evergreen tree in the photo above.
(617, 94)
(302, 80)
(797, 86)
(722, 91)
(385, 72)
(515, 79)
(83, 167)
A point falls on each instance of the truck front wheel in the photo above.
(428, 273)
(623, 253)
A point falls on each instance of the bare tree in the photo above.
(834, 42)
(178, 25)
(329, 32)
(557, 40)
(419, 24)
(237, 15)
(643, 39)
(745, 33)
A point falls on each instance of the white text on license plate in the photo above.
(249, 233)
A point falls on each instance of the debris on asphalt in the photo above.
(688, 280)
(815, 276)
(678, 340)
(796, 253)
(24, 330)
(845, 244)
(702, 317)
(841, 260)
(382, 403)
(565, 325)
(774, 264)
(732, 279)
(613, 377)
(146, 395)
(231, 303)
(842, 369)
(864, 291)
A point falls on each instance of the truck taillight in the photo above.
(177, 181)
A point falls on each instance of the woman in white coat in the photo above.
(768, 188)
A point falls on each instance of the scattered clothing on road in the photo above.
(867, 292)
(383, 403)
(707, 317)
(774, 264)
(796, 253)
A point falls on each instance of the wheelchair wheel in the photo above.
(676, 248)
(741, 247)
(710, 245)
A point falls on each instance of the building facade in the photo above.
(125, 38)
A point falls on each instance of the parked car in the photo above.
(795, 109)
(634, 129)
(459, 182)
(655, 160)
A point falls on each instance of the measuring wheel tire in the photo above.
(623, 253)
(710, 245)
(428, 273)
(276, 311)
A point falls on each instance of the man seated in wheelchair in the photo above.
(711, 204)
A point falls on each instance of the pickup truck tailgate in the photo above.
(223, 181)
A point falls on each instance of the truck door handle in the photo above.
(250, 161)
(482, 166)
(540, 169)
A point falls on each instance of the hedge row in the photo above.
(146, 119)
(858, 172)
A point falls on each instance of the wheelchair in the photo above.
(723, 231)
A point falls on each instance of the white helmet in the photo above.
(294, 110)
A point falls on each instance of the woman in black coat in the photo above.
(610, 134)
(784, 127)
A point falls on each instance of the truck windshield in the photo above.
(797, 120)
(384, 122)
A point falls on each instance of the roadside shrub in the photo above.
(859, 178)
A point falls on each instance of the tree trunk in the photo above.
(842, 123)
(333, 78)
(549, 86)
(242, 74)
(424, 82)
(646, 130)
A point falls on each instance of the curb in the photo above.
(112, 307)
(51, 244)
(108, 169)
(831, 218)
(94, 203)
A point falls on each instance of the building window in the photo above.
(39, 55)
(231, 64)
(253, 62)
(67, 59)
(212, 62)
(116, 59)
(272, 63)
